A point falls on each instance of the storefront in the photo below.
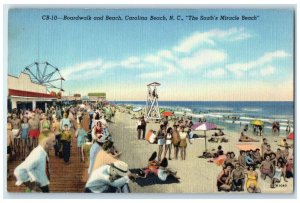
(25, 94)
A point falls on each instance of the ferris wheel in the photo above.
(45, 74)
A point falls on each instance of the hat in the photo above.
(120, 168)
(153, 156)
(164, 162)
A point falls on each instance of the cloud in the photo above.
(267, 71)
(132, 62)
(166, 54)
(72, 70)
(210, 38)
(153, 75)
(152, 59)
(239, 68)
(215, 73)
(202, 59)
(187, 55)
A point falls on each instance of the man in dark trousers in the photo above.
(143, 126)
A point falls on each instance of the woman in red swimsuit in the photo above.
(98, 130)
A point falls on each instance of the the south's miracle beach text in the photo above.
(150, 18)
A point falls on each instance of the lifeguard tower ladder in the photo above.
(152, 102)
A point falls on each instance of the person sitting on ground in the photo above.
(244, 138)
(268, 151)
(251, 183)
(163, 172)
(223, 139)
(232, 157)
(220, 133)
(248, 159)
(152, 167)
(223, 179)
(283, 143)
(273, 159)
(213, 139)
(107, 155)
(220, 151)
(257, 157)
(228, 159)
(110, 178)
(267, 168)
(279, 171)
(238, 178)
(241, 159)
(289, 169)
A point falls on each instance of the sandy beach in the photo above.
(197, 174)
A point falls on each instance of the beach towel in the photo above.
(148, 135)
(152, 179)
(220, 160)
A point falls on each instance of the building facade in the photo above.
(25, 94)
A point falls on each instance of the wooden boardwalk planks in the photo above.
(64, 177)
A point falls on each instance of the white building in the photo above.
(23, 93)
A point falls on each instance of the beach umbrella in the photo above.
(205, 126)
(167, 113)
(290, 136)
(247, 147)
(257, 122)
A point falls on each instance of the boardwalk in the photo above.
(64, 177)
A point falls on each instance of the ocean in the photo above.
(223, 113)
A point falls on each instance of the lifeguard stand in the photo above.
(152, 102)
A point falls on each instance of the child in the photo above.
(66, 138)
(80, 135)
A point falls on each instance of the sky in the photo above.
(200, 60)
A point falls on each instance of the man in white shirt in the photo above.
(109, 178)
(33, 172)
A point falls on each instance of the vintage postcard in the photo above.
(150, 100)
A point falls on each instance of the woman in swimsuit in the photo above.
(168, 145)
(98, 131)
(223, 180)
(183, 143)
(277, 175)
(24, 137)
(161, 140)
(44, 124)
(251, 183)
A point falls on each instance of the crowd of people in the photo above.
(242, 172)
(167, 137)
(32, 134)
